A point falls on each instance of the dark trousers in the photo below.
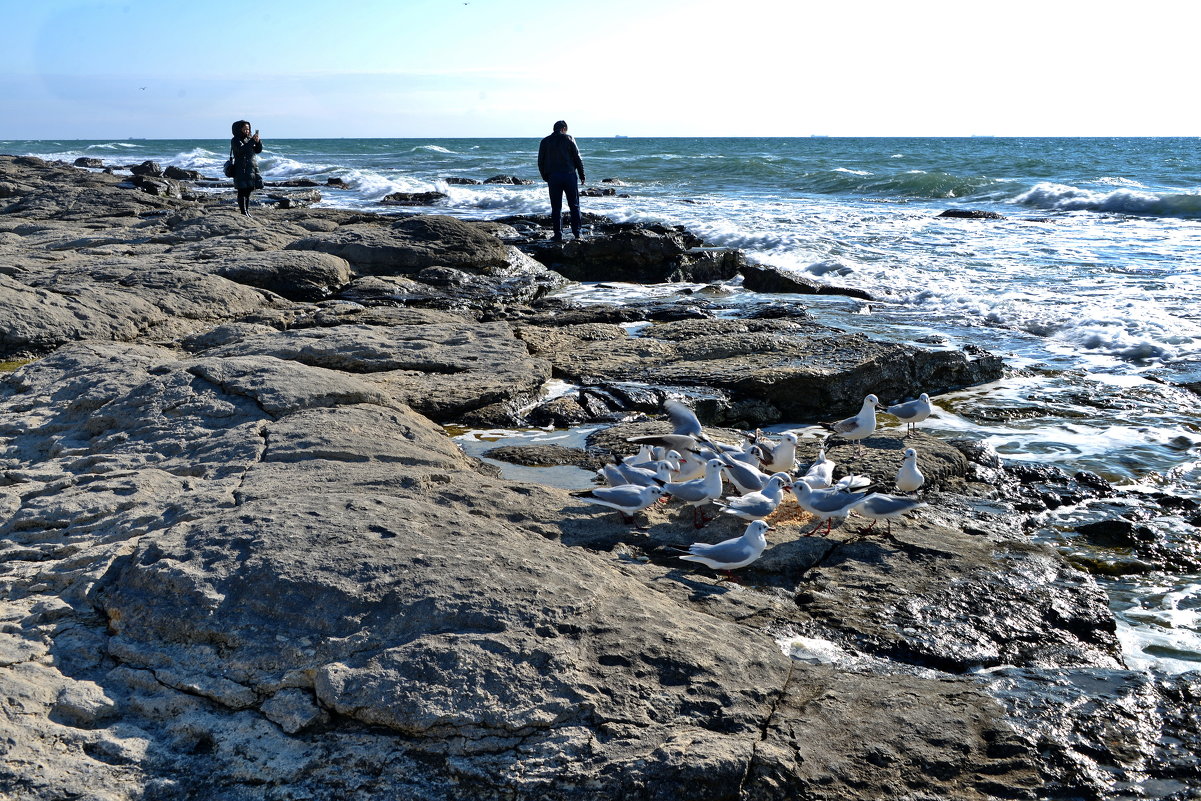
(560, 183)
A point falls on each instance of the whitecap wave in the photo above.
(1060, 197)
(432, 149)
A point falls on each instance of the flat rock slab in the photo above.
(771, 370)
(443, 369)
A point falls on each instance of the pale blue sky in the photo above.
(448, 68)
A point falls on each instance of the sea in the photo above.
(1088, 286)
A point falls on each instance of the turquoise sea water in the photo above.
(1089, 287)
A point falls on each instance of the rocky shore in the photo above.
(242, 559)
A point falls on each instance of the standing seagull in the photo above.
(699, 491)
(860, 426)
(885, 507)
(626, 498)
(782, 455)
(909, 478)
(758, 505)
(825, 505)
(732, 553)
(912, 412)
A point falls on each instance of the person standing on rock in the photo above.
(242, 149)
(559, 163)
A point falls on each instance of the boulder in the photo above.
(84, 161)
(640, 254)
(151, 169)
(160, 187)
(972, 214)
(180, 174)
(453, 181)
(297, 275)
(758, 278)
(413, 198)
(507, 179)
(410, 245)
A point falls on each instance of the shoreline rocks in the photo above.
(236, 542)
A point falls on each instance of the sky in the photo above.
(186, 69)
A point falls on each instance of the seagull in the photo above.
(626, 498)
(782, 456)
(686, 434)
(699, 491)
(861, 425)
(909, 478)
(826, 505)
(912, 412)
(732, 553)
(885, 507)
(758, 505)
(820, 474)
(747, 478)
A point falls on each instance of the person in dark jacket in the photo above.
(242, 147)
(559, 163)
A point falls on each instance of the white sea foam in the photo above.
(432, 149)
(852, 172)
(814, 650)
(1060, 197)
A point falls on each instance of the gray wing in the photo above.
(675, 442)
(836, 501)
(626, 496)
(683, 419)
(728, 552)
(688, 490)
(908, 409)
(877, 505)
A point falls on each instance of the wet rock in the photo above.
(158, 186)
(453, 181)
(84, 161)
(596, 191)
(639, 253)
(180, 174)
(150, 169)
(413, 198)
(546, 456)
(512, 180)
(972, 214)
(768, 279)
(1115, 533)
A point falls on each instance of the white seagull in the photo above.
(758, 505)
(626, 498)
(912, 412)
(909, 478)
(825, 505)
(699, 491)
(747, 478)
(732, 553)
(885, 507)
(782, 456)
(859, 427)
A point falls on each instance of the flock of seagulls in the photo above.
(689, 466)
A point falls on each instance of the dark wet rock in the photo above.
(775, 370)
(1042, 487)
(512, 180)
(413, 198)
(150, 169)
(639, 253)
(597, 191)
(1115, 533)
(758, 278)
(453, 181)
(972, 214)
(158, 186)
(180, 174)
(1103, 733)
(546, 456)
(336, 183)
(84, 161)
(294, 182)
